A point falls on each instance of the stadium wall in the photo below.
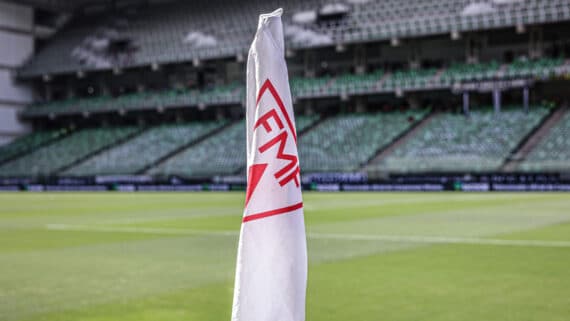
(17, 45)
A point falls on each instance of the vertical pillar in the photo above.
(360, 59)
(525, 98)
(414, 57)
(466, 103)
(16, 45)
(472, 49)
(360, 104)
(413, 101)
(48, 92)
(535, 43)
(497, 100)
(309, 63)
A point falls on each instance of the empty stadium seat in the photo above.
(221, 154)
(136, 154)
(158, 32)
(456, 143)
(552, 154)
(50, 159)
(29, 142)
(346, 142)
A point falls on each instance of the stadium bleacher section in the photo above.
(539, 68)
(178, 32)
(139, 101)
(221, 154)
(345, 142)
(384, 44)
(456, 143)
(136, 154)
(349, 84)
(446, 142)
(462, 72)
(50, 159)
(28, 143)
(553, 153)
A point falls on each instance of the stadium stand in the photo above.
(455, 143)
(552, 154)
(28, 143)
(418, 78)
(310, 87)
(50, 159)
(351, 83)
(221, 154)
(374, 82)
(136, 154)
(539, 68)
(346, 142)
(461, 72)
(136, 101)
(402, 55)
(178, 32)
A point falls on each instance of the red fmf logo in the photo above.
(277, 124)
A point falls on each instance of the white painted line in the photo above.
(143, 230)
(349, 237)
(440, 240)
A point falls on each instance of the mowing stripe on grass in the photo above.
(349, 237)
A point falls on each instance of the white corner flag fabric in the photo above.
(271, 273)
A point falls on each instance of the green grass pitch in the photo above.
(373, 256)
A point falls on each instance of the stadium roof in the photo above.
(74, 5)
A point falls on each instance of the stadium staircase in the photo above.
(401, 139)
(99, 151)
(533, 139)
(552, 153)
(184, 147)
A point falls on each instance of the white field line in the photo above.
(349, 237)
(143, 230)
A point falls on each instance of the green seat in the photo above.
(346, 142)
(455, 143)
(552, 153)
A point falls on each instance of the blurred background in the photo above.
(389, 95)
(390, 91)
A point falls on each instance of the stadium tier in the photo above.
(350, 83)
(138, 153)
(28, 143)
(409, 79)
(461, 72)
(310, 87)
(188, 31)
(552, 154)
(139, 101)
(456, 143)
(50, 159)
(445, 142)
(221, 154)
(346, 84)
(344, 143)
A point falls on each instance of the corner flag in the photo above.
(271, 273)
